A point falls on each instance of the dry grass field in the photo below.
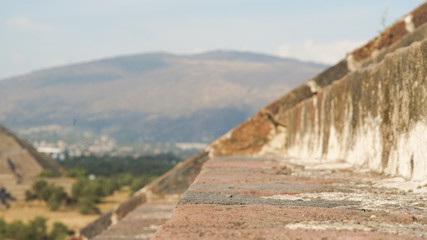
(25, 211)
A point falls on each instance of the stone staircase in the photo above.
(13, 186)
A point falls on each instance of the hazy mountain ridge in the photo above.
(153, 97)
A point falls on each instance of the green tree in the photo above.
(30, 195)
(46, 192)
(53, 195)
(124, 179)
(140, 182)
(77, 188)
(77, 172)
(38, 228)
(18, 230)
(87, 206)
(3, 228)
(105, 186)
(39, 185)
(59, 231)
(35, 230)
(53, 202)
(47, 173)
(93, 189)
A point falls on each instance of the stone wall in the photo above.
(369, 109)
(374, 117)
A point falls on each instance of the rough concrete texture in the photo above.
(343, 203)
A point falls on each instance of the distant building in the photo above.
(190, 145)
(49, 150)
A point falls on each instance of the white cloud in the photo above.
(329, 52)
(23, 23)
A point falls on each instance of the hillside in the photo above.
(155, 97)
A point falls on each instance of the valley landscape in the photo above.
(148, 103)
(72, 192)
(138, 105)
(316, 139)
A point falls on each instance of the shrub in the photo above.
(105, 186)
(52, 189)
(38, 228)
(87, 206)
(59, 231)
(39, 185)
(95, 189)
(76, 172)
(124, 179)
(85, 188)
(54, 202)
(53, 195)
(29, 195)
(47, 173)
(77, 188)
(3, 228)
(35, 230)
(18, 230)
(46, 192)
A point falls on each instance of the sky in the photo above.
(42, 34)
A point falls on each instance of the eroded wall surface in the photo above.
(375, 117)
(370, 109)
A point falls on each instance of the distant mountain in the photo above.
(156, 97)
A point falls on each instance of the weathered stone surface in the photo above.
(113, 216)
(379, 102)
(296, 109)
(376, 117)
(97, 226)
(246, 139)
(348, 204)
(392, 34)
(177, 180)
(141, 223)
